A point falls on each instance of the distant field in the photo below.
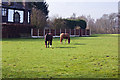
(84, 57)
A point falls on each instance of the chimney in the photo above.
(25, 5)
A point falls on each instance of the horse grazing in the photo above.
(48, 38)
(64, 36)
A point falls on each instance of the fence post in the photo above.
(60, 30)
(55, 32)
(31, 32)
(74, 31)
(70, 31)
(44, 33)
(65, 30)
(38, 32)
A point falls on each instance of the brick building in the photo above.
(15, 19)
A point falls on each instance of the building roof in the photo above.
(13, 5)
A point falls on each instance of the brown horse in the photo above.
(48, 38)
(64, 36)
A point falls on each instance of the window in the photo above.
(21, 15)
(4, 11)
(16, 17)
(10, 15)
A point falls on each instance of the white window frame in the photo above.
(4, 12)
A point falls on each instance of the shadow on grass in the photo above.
(65, 47)
(79, 44)
(21, 39)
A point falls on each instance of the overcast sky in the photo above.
(82, 0)
(94, 8)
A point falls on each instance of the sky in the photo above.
(66, 8)
(94, 8)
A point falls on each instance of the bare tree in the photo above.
(59, 24)
(38, 18)
(73, 16)
(105, 25)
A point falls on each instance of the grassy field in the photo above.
(84, 57)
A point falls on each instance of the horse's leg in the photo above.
(45, 43)
(48, 43)
(51, 43)
(69, 40)
(61, 39)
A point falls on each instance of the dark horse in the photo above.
(64, 36)
(48, 38)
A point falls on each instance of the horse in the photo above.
(64, 36)
(48, 38)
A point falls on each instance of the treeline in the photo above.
(39, 14)
(67, 23)
(107, 24)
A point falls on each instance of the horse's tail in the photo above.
(61, 37)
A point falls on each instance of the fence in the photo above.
(15, 30)
(37, 33)
(26, 30)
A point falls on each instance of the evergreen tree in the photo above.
(43, 6)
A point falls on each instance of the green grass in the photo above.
(84, 57)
